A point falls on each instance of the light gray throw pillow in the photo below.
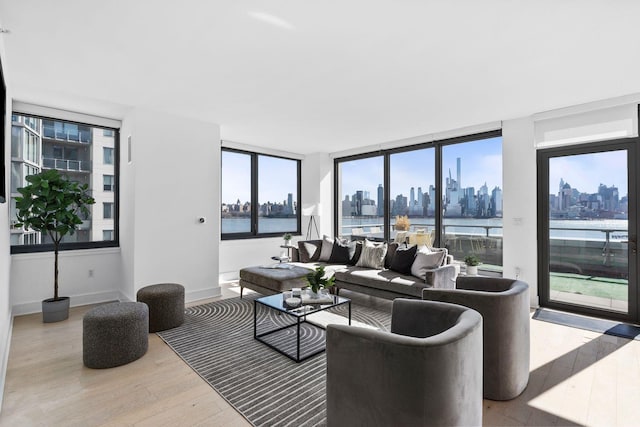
(426, 261)
(327, 247)
(372, 255)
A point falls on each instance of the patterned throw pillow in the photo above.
(309, 251)
(372, 255)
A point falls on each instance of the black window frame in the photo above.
(386, 154)
(97, 244)
(3, 167)
(254, 233)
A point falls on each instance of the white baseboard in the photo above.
(76, 300)
(228, 276)
(191, 296)
(6, 340)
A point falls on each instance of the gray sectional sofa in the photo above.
(379, 282)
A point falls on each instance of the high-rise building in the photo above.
(380, 204)
(496, 199)
(459, 172)
(290, 204)
(412, 197)
(82, 153)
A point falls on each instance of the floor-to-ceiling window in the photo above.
(412, 189)
(360, 197)
(472, 200)
(260, 195)
(446, 193)
(587, 228)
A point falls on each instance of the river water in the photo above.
(559, 229)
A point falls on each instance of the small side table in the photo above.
(282, 258)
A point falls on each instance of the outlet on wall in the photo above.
(91, 273)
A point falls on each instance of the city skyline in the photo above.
(585, 172)
(481, 163)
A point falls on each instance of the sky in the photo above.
(585, 172)
(276, 178)
(480, 162)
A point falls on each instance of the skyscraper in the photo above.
(412, 197)
(459, 174)
(380, 205)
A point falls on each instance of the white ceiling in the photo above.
(322, 76)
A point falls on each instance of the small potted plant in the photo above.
(52, 205)
(287, 239)
(472, 263)
(317, 280)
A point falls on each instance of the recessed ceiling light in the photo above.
(272, 19)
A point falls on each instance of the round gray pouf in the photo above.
(115, 334)
(166, 305)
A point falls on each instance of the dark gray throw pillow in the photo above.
(403, 260)
(391, 250)
(340, 252)
(355, 252)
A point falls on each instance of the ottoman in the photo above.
(115, 334)
(270, 280)
(166, 305)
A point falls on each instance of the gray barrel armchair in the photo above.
(426, 371)
(504, 306)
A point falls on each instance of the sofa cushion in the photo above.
(340, 254)
(372, 255)
(382, 279)
(391, 250)
(326, 249)
(403, 259)
(426, 261)
(356, 248)
(309, 250)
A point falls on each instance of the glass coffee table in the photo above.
(288, 331)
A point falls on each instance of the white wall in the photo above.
(317, 187)
(87, 276)
(5, 258)
(520, 249)
(172, 181)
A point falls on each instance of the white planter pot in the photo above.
(472, 270)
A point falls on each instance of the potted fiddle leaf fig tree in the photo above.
(53, 205)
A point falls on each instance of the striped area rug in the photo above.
(267, 388)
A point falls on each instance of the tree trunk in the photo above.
(55, 271)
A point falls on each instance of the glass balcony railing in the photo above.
(594, 251)
(67, 135)
(67, 165)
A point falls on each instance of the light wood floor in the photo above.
(577, 378)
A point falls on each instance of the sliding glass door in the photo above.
(586, 198)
